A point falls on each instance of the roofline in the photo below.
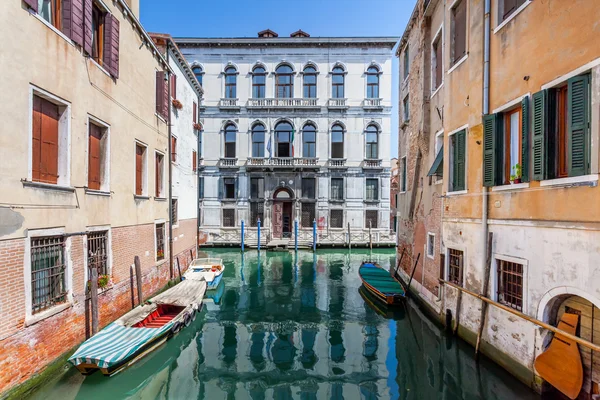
(407, 30)
(349, 41)
(181, 61)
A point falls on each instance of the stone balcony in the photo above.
(283, 103)
(231, 104)
(337, 163)
(282, 162)
(372, 163)
(372, 104)
(337, 104)
(228, 162)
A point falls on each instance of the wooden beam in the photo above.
(535, 321)
(94, 299)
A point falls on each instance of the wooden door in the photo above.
(277, 219)
(287, 219)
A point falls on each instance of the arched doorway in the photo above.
(282, 213)
(572, 301)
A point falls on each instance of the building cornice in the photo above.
(382, 42)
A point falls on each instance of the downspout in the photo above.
(170, 150)
(486, 110)
(198, 145)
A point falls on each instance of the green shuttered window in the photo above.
(578, 123)
(459, 150)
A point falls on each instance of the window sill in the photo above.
(228, 200)
(35, 318)
(514, 186)
(431, 256)
(160, 117)
(513, 15)
(48, 186)
(49, 25)
(160, 199)
(436, 90)
(572, 180)
(100, 67)
(140, 197)
(456, 193)
(371, 201)
(95, 192)
(337, 200)
(457, 64)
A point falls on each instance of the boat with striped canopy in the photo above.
(381, 284)
(140, 331)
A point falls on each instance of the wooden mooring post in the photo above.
(131, 284)
(94, 299)
(178, 268)
(486, 284)
(349, 245)
(412, 274)
(138, 277)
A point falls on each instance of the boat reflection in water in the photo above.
(297, 326)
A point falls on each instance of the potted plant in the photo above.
(197, 127)
(177, 104)
(103, 281)
(516, 176)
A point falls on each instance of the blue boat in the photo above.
(381, 284)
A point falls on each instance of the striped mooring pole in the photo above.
(296, 234)
(314, 235)
(258, 224)
(242, 236)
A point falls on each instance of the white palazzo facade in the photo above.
(294, 129)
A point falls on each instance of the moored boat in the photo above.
(208, 269)
(381, 284)
(141, 330)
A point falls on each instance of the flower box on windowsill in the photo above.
(177, 104)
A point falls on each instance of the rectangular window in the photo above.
(229, 217)
(97, 250)
(201, 190)
(160, 242)
(194, 161)
(406, 64)
(229, 188)
(162, 95)
(510, 284)
(97, 34)
(372, 189)
(229, 145)
(308, 214)
(140, 169)
(308, 188)
(173, 87)
(437, 62)
(45, 141)
(257, 188)
(336, 218)
(459, 31)
(403, 174)
(174, 211)
(430, 245)
(97, 156)
(512, 146)
(455, 266)
(371, 218)
(173, 149)
(337, 189)
(507, 7)
(458, 160)
(159, 173)
(48, 266)
(257, 211)
(406, 109)
(51, 11)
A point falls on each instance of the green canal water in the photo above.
(297, 327)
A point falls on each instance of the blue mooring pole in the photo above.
(296, 235)
(258, 224)
(314, 235)
(242, 236)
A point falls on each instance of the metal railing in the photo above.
(97, 251)
(337, 103)
(337, 162)
(372, 103)
(282, 161)
(229, 103)
(282, 103)
(226, 236)
(371, 163)
(227, 162)
(47, 272)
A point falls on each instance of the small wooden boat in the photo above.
(560, 365)
(381, 284)
(395, 313)
(140, 331)
(208, 269)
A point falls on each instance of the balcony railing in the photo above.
(372, 103)
(337, 162)
(337, 103)
(282, 103)
(282, 162)
(228, 162)
(229, 103)
(371, 163)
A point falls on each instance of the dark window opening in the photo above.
(372, 189)
(258, 83)
(229, 188)
(97, 34)
(229, 217)
(97, 248)
(337, 142)
(48, 268)
(309, 141)
(257, 188)
(508, 7)
(160, 242)
(308, 188)
(510, 284)
(284, 82)
(337, 83)
(283, 137)
(308, 214)
(372, 83)
(372, 150)
(371, 218)
(230, 139)
(230, 83)
(337, 188)
(257, 211)
(336, 218)
(258, 141)
(455, 266)
(197, 70)
(310, 83)
(438, 63)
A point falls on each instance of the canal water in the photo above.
(285, 326)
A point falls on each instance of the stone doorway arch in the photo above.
(282, 213)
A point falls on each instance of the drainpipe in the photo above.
(486, 110)
(198, 150)
(171, 274)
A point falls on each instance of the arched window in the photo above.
(309, 141)
(372, 142)
(230, 137)
(230, 83)
(284, 83)
(337, 83)
(310, 83)
(258, 140)
(258, 83)
(197, 70)
(372, 83)
(337, 141)
(284, 137)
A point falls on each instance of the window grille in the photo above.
(510, 284)
(229, 217)
(455, 267)
(337, 188)
(308, 214)
(47, 272)
(97, 249)
(336, 219)
(371, 219)
(257, 210)
(174, 218)
(160, 242)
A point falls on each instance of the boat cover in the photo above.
(119, 341)
(380, 279)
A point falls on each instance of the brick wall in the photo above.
(12, 295)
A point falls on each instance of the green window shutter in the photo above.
(525, 139)
(578, 125)
(489, 149)
(459, 161)
(539, 126)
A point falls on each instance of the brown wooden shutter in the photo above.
(72, 13)
(111, 45)
(139, 165)
(173, 81)
(194, 160)
(33, 4)
(36, 139)
(48, 155)
(195, 112)
(160, 81)
(460, 30)
(95, 136)
(166, 100)
(173, 148)
(87, 26)
(438, 64)
(158, 175)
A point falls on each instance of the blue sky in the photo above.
(240, 18)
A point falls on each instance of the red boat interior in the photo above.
(159, 317)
